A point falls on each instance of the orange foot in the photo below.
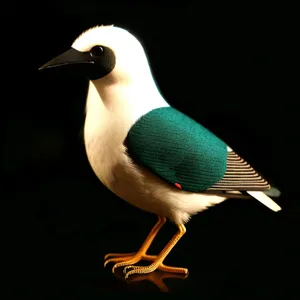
(125, 259)
(129, 259)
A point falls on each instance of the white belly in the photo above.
(142, 188)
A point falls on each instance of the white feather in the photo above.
(264, 199)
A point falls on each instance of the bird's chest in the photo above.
(106, 153)
(101, 156)
(115, 170)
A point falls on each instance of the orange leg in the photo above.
(158, 262)
(125, 259)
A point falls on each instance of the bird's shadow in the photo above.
(156, 278)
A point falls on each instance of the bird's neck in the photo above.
(112, 108)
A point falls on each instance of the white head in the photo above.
(130, 59)
(114, 51)
(116, 64)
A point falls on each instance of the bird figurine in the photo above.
(147, 152)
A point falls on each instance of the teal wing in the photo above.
(178, 149)
(187, 155)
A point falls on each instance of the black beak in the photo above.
(70, 57)
(95, 64)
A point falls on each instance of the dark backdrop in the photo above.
(232, 69)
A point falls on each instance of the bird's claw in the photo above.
(126, 268)
(123, 261)
(116, 260)
(139, 270)
(118, 255)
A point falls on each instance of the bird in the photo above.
(146, 151)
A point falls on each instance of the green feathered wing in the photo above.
(178, 149)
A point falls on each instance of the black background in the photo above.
(231, 68)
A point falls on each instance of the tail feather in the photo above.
(273, 192)
(264, 199)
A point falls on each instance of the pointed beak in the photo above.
(70, 57)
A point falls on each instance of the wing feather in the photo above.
(240, 176)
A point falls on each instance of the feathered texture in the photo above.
(178, 149)
(86, 39)
(240, 176)
(114, 37)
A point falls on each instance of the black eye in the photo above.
(97, 51)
